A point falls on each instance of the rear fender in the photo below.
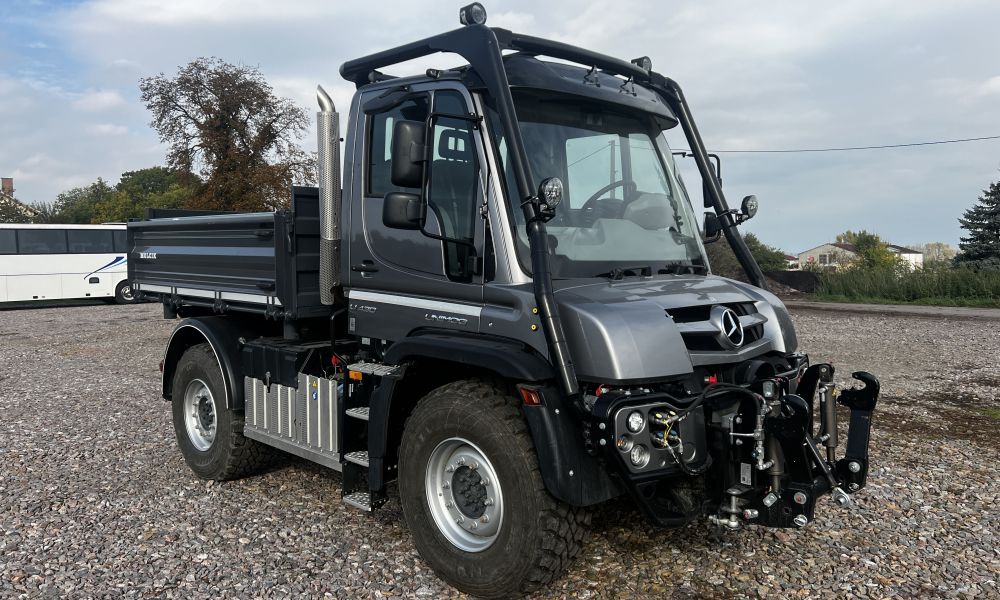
(224, 337)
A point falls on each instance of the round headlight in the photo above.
(639, 456)
(635, 421)
(550, 192)
(625, 443)
(473, 14)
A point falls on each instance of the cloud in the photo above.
(758, 75)
(107, 129)
(99, 101)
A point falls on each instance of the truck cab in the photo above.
(501, 301)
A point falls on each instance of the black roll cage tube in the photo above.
(482, 47)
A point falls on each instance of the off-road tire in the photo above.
(231, 455)
(539, 535)
(121, 291)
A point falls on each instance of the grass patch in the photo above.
(934, 285)
(993, 413)
(963, 302)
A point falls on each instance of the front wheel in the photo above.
(473, 496)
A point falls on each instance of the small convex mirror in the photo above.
(749, 207)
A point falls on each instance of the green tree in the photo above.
(980, 249)
(872, 252)
(225, 123)
(79, 205)
(724, 262)
(154, 187)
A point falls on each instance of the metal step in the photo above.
(358, 413)
(360, 500)
(358, 457)
(373, 368)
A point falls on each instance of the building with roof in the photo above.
(10, 206)
(837, 254)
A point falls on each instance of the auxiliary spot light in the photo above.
(643, 62)
(473, 14)
(550, 192)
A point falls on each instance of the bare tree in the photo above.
(225, 123)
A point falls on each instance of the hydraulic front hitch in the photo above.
(852, 470)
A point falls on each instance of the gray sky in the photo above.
(759, 75)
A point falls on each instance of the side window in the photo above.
(121, 240)
(41, 241)
(380, 142)
(453, 191)
(90, 241)
(8, 241)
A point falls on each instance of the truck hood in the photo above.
(658, 327)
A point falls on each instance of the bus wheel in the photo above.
(124, 293)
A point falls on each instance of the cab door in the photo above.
(401, 281)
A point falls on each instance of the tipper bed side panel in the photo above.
(235, 260)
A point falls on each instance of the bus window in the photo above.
(8, 241)
(90, 241)
(120, 240)
(41, 241)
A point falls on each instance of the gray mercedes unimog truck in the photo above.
(500, 301)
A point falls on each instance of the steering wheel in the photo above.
(597, 207)
(621, 183)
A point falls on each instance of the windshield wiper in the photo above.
(683, 268)
(619, 273)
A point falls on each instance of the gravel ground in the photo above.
(95, 499)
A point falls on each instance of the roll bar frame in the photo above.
(483, 48)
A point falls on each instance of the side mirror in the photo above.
(749, 208)
(408, 154)
(401, 210)
(713, 228)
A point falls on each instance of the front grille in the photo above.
(700, 335)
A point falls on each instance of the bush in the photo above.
(934, 284)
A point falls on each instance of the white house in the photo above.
(837, 254)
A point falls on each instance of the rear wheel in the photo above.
(473, 496)
(124, 293)
(209, 433)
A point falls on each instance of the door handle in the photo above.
(366, 266)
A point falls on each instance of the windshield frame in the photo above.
(697, 262)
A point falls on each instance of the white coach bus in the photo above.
(56, 262)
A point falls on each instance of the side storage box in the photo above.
(301, 421)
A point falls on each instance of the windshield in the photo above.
(623, 209)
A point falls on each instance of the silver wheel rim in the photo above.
(464, 495)
(199, 414)
(127, 293)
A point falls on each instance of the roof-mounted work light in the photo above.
(643, 62)
(473, 14)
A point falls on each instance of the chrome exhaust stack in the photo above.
(328, 133)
